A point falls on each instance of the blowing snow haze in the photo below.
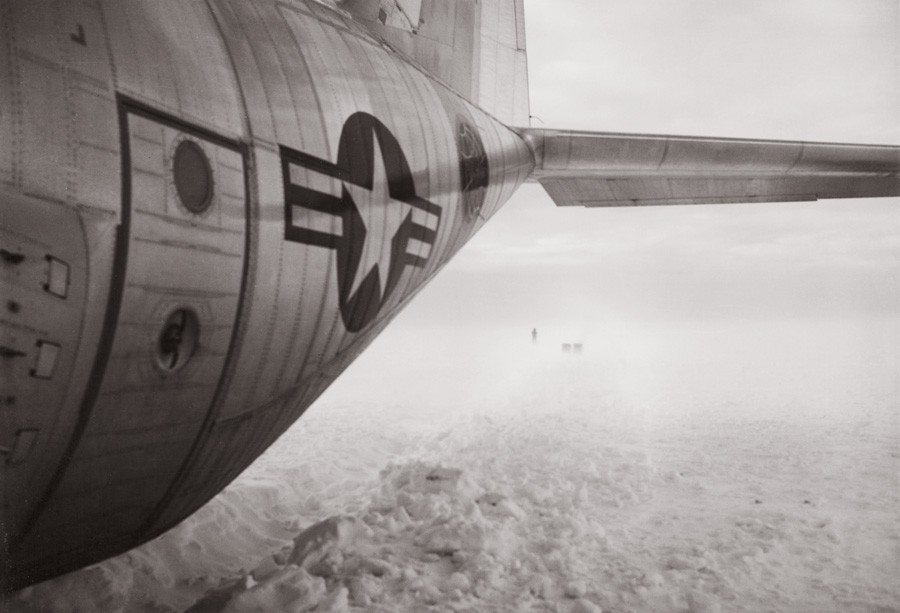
(798, 70)
(696, 468)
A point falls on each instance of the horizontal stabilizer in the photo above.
(605, 169)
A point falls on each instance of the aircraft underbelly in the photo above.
(141, 415)
(44, 284)
(242, 196)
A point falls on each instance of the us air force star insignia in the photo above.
(365, 207)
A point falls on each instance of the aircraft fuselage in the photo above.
(209, 210)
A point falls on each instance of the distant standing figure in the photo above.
(534, 335)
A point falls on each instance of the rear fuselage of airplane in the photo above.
(208, 211)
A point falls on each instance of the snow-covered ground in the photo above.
(702, 467)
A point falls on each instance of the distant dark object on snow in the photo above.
(572, 348)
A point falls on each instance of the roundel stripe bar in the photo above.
(365, 207)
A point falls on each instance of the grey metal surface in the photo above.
(602, 169)
(477, 48)
(177, 338)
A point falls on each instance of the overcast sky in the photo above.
(822, 70)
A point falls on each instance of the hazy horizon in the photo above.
(802, 70)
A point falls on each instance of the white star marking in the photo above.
(382, 216)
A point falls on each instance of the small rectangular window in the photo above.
(57, 277)
(45, 363)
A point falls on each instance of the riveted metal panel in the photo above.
(328, 52)
(9, 113)
(273, 83)
(197, 84)
(266, 61)
(232, 18)
(97, 178)
(140, 419)
(134, 38)
(281, 309)
(299, 123)
(37, 325)
(233, 441)
(428, 147)
(45, 161)
(36, 28)
(292, 299)
(262, 313)
(83, 39)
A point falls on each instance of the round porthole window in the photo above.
(193, 176)
(177, 340)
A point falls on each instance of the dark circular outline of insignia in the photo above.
(354, 166)
(356, 150)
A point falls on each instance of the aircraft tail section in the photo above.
(477, 47)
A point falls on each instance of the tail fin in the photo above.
(502, 67)
(475, 46)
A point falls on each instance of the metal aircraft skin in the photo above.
(210, 208)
